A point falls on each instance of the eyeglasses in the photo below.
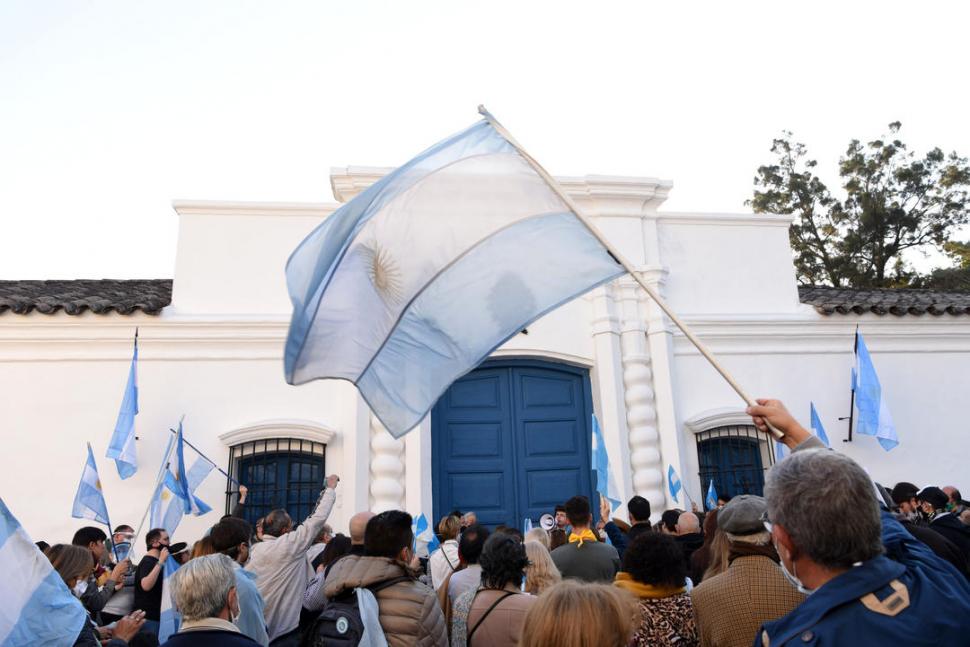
(766, 521)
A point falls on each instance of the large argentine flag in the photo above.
(874, 418)
(419, 278)
(37, 607)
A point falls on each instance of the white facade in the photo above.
(215, 355)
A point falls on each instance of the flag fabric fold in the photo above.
(121, 448)
(711, 499)
(605, 483)
(874, 418)
(818, 428)
(89, 500)
(38, 609)
(673, 483)
(169, 619)
(425, 541)
(419, 278)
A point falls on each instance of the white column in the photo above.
(641, 414)
(386, 469)
(607, 382)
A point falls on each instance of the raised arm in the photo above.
(298, 541)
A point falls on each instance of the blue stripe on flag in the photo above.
(37, 608)
(121, 448)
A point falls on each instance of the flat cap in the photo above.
(742, 515)
(934, 496)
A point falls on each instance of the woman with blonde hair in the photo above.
(580, 614)
(541, 573)
(538, 535)
(444, 561)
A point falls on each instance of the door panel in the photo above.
(511, 440)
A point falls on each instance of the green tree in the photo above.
(952, 278)
(891, 201)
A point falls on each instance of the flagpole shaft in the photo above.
(221, 471)
(158, 482)
(855, 353)
(626, 264)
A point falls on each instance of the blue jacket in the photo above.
(938, 613)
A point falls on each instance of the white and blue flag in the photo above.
(818, 428)
(874, 418)
(37, 609)
(167, 506)
(526, 526)
(418, 279)
(673, 482)
(169, 619)
(425, 541)
(122, 445)
(780, 450)
(711, 499)
(605, 483)
(89, 500)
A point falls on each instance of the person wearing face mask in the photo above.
(408, 610)
(869, 582)
(204, 591)
(230, 537)
(148, 577)
(904, 495)
(74, 564)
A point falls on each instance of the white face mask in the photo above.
(80, 588)
(791, 577)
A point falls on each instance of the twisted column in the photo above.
(386, 469)
(641, 412)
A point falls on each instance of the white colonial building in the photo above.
(512, 438)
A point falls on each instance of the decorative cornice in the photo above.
(230, 208)
(302, 429)
(736, 219)
(607, 195)
(712, 418)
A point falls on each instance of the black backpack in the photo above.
(339, 624)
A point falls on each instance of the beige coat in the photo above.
(503, 626)
(731, 607)
(408, 611)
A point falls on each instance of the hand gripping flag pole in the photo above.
(619, 258)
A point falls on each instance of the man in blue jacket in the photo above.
(869, 581)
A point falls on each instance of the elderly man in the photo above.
(279, 563)
(753, 575)
(204, 592)
(871, 582)
(689, 536)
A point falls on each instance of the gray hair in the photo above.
(276, 522)
(827, 504)
(762, 538)
(200, 588)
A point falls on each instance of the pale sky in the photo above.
(111, 109)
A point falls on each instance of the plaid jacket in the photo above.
(731, 607)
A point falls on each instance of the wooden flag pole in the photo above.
(626, 264)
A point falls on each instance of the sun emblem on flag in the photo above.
(97, 484)
(383, 272)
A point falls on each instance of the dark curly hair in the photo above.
(655, 558)
(503, 562)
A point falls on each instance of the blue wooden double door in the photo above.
(511, 440)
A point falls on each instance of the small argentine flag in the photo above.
(122, 445)
(425, 541)
(673, 483)
(711, 499)
(605, 483)
(89, 500)
(169, 619)
(874, 418)
(38, 609)
(818, 428)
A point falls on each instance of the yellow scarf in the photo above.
(586, 535)
(626, 582)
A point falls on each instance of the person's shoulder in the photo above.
(210, 638)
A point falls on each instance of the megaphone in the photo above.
(547, 522)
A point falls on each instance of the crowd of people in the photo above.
(826, 556)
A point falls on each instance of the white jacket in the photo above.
(281, 569)
(443, 562)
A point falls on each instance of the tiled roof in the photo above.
(895, 301)
(74, 297)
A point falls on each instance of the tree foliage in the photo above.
(891, 201)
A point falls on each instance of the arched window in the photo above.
(283, 463)
(731, 452)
